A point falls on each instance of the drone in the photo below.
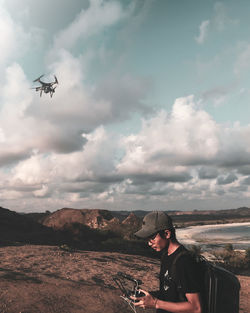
(46, 87)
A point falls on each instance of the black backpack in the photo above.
(220, 288)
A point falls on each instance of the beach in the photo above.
(212, 236)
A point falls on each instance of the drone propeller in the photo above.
(56, 81)
(37, 80)
(36, 88)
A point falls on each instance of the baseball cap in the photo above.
(154, 222)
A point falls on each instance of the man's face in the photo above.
(158, 243)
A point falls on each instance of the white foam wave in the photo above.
(204, 234)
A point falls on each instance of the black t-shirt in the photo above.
(175, 283)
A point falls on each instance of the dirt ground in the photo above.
(46, 279)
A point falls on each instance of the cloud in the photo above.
(98, 16)
(219, 94)
(246, 181)
(12, 38)
(203, 32)
(186, 136)
(226, 179)
(179, 155)
(218, 22)
(15, 40)
(57, 124)
(206, 172)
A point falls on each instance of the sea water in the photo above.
(212, 236)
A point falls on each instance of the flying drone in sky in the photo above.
(46, 87)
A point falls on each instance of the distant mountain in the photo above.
(196, 216)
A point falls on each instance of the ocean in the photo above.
(216, 236)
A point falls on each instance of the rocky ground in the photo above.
(47, 279)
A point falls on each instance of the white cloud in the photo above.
(15, 40)
(181, 155)
(30, 123)
(186, 136)
(89, 22)
(203, 31)
(44, 191)
(11, 37)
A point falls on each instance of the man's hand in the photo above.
(147, 301)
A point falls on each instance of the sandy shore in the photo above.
(197, 234)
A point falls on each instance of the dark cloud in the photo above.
(10, 157)
(85, 189)
(234, 158)
(218, 91)
(207, 173)
(125, 94)
(109, 178)
(220, 192)
(237, 189)
(64, 143)
(226, 179)
(215, 92)
(246, 181)
(244, 170)
(139, 179)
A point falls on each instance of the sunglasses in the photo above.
(152, 237)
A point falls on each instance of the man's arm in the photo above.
(192, 305)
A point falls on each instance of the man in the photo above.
(179, 276)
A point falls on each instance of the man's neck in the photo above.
(173, 246)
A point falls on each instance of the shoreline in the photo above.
(193, 235)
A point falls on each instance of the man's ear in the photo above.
(167, 234)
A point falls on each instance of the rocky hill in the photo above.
(72, 219)
(81, 229)
(61, 219)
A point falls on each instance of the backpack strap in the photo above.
(173, 271)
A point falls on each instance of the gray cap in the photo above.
(154, 222)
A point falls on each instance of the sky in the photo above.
(152, 109)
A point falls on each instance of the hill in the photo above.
(47, 279)
(15, 227)
(78, 229)
(100, 229)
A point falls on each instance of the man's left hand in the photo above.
(147, 301)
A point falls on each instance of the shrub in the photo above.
(229, 247)
(231, 260)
